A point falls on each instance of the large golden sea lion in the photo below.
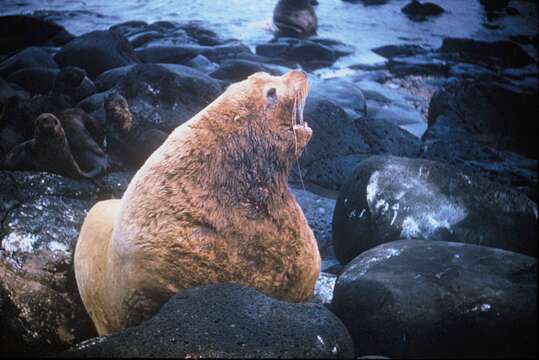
(210, 205)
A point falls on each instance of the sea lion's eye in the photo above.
(272, 94)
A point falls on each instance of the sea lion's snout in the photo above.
(297, 81)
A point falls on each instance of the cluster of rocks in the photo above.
(419, 183)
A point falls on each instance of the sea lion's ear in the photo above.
(271, 95)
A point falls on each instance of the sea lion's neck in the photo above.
(243, 168)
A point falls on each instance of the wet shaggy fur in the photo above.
(210, 205)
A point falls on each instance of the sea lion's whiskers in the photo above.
(297, 98)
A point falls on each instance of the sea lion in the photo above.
(210, 205)
(61, 145)
(295, 18)
(131, 143)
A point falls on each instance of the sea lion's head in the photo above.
(266, 112)
(49, 129)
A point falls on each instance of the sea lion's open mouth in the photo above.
(299, 103)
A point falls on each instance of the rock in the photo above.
(96, 52)
(390, 105)
(227, 320)
(340, 91)
(391, 51)
(390, 198)
(181, 54)
(110, 78)
(502, 115)
(422, 299)
(502, 53)
(323, 291)
(31, 57)
(238, 70)
(369, 2)
(319, 211)
(295, 18)
(21, 31)
(203, 64)
(309, 54)
(418, 65)
(485, 127)
(450, 141)
(417, 11)
(166, 96)
(160, 96)
(42, 214)
(340, 142)
(494, 5)
(41, 81)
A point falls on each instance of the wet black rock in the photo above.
(42, 214)
(418, 11)
(311, 54)
(494, 5)
(31, 57)
(369, 2)
(181, 54)
(502, 53)
(391, 51)
(390, 198)
(96, 52)
(486, 127)
(393, 106)
(318, 211)
(167, 96)
(422, 299)
(20, 31)
(502, 114)
(227, 320)
(161, 96)
(110, 78)
(238, 70)
(41, 81)
(340, 142)
(418, 65)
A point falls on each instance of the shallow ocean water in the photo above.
(363, 27)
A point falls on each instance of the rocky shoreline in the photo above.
(420, 185)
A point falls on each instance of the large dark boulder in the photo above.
(390, 198)
(502, 53)
(422, 299)
(227, 321)
(96, 52)
(42, 214)
(342, 138)
(167, 96)
(31, 57)
(181, 54)
(310, 54)
(238, 69)
(20, 31)
(504, 116)
(485, 127)
(161, 96)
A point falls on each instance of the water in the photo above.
(364, 27)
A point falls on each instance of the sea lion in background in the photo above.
(131, 143)
(61, 145)
(210, 205)
(295, 18)
(47, 151)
